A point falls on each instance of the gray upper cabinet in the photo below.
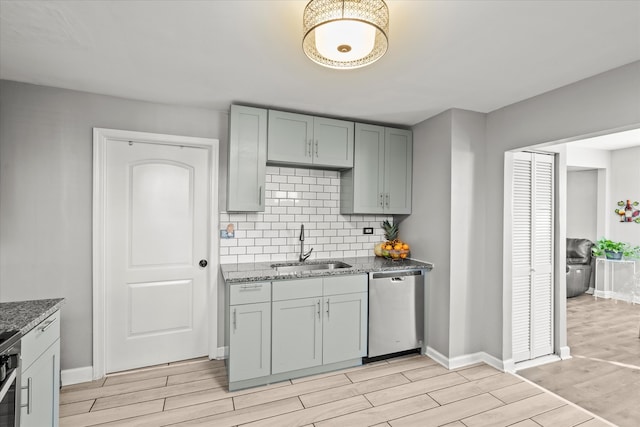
(247, 164)
(398, 167)
(299, 139)
(380, 181)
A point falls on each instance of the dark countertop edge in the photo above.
(262, 272)
(44, 307)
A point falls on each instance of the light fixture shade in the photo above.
(345, 34)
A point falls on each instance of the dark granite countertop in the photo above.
(262, 271)
(25, 315)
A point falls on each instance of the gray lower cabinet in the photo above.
(318, 321)
(297, 334)
(249, 341)
(41, 374)
(381, 179)
(291, 328)
(247, 159)
(300, 139)
(249, 331)
(344, 327)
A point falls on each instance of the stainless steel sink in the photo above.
(309, 266)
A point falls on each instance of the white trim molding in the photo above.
(222, 353)
(467, 360)
(76, 376)
(100, 139)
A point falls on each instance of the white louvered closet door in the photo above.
(532, 255)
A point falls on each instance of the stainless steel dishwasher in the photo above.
(396, 311)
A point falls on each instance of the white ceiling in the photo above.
(611, 142)
(476, 55)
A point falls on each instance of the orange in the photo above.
(388, 247)
(405, 247)
(403, 255)
(397, 247)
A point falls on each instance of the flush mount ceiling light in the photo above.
(345, 34)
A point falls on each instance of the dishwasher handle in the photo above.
(396, 276)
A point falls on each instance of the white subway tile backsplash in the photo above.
(246, 258)
(295, 196)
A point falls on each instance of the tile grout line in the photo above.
(599, 418)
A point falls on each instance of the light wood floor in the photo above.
(408, 391)
(603, 374)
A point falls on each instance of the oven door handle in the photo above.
(8, 383)
(29, 396)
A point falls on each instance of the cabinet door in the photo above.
(344, 328)
(247, 159)
(290, 138)
(398, 171)
(249, 341)
(40, 393)
(333, 142)
(368, 169)
(296, 334)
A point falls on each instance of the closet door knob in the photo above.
(203, 263)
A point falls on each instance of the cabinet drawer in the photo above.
(337, 285)
(39, 339)
(249, 293)
(293, 289)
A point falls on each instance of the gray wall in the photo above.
(430, 223)
(468, 193)
(459, 155)
(606, 102)
(582, 204)
(447, 209)
(625, 185)
(46, 192)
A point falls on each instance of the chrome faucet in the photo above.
(303, 256)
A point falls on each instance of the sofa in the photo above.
(579, 266)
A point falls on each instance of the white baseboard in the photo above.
(466, 360)
(223, 353)
(77, 375)
(565, 353)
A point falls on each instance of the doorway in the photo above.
(155, 253)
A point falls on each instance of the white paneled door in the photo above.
(156, 253)
(532, 213)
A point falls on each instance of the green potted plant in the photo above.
(615, 250)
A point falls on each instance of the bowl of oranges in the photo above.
(392, 249)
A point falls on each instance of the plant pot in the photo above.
(613, 255)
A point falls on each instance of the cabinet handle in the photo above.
(29, 395)
(235, 320)
(309, 148)
(318, 309)
(328, 308)
(387, 197)
(316, 148)
(250, 287)
(260, 195)
(45, 326)
(381, 201)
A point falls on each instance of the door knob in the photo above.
(203, 263)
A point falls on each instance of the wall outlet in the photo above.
(367, 230)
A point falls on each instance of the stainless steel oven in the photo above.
(10, 379)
